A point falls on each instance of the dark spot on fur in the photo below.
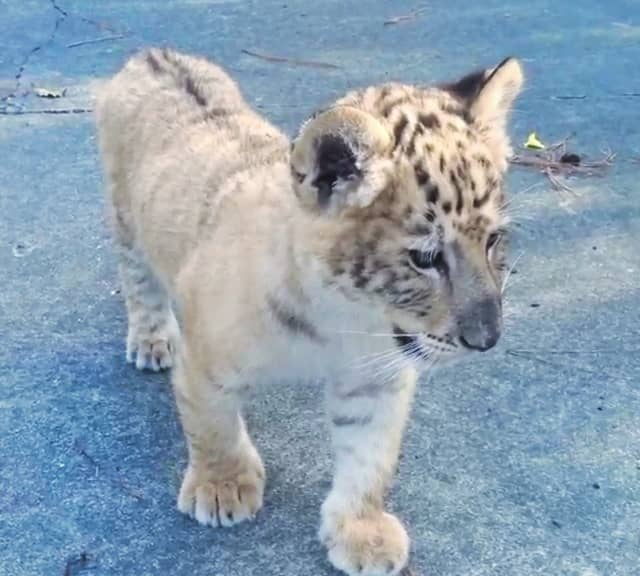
(360, 279)
(446, 206)
(422, 176)
(442, 163)
(153, 62)
(192, 89)
(482, 200)
(458, 111)
(291, 320)
(456, 184)
(384, 92)
(429, 121)
(216, 112)
(482, 160)
(411, 146)
(429, 147)
(389, 106)
(433, 194)
(399, 128)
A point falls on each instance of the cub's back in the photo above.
(175, 132)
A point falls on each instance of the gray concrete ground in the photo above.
(526, 462)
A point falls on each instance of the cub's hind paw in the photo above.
(153, 355)
(153, 349)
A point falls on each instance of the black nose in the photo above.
(481, 325)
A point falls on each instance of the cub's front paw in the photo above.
(224, 495)
(374, 545)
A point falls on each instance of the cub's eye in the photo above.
(493, 239)
(299, 177)
(422, 260)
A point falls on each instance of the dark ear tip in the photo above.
(502, 64)
(466, 88)
(505, 61)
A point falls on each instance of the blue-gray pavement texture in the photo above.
(517, 464)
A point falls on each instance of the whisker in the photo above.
(376, 357)
(377, 334)
(508, 274)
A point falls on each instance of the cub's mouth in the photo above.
(408, 343)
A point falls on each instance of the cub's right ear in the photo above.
(340, 159)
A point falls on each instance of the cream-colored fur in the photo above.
(337, 262)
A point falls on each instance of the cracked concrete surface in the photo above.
(524, 463)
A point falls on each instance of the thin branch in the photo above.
(405, 17)
(569, 97)
(95, 40)
(19, 112)
(76, 564)
(595, 167)
(292, 61)
(526, 355)
(117, 479)
(576, 352)
(556, 183)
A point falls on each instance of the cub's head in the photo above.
(404, 190)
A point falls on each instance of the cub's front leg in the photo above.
(367, 422)
(224, 480)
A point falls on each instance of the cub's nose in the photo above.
(481, 325)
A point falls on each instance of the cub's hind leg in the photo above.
(153, 330)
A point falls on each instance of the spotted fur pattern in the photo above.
(361, 253)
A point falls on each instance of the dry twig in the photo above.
(116, 478)
(404, 17)
(556, 163)
(95, 40)
(292, 61)
(76, 564)
(569, 97)
(19, 112)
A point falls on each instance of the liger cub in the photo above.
(365, 251)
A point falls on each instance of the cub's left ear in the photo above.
(492, 103)
(488, 96)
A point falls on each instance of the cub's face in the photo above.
(405, 189)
